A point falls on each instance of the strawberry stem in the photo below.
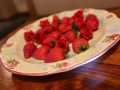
(53, 43)
(82, 48)
(79, 51)
(59, 21)
(76, 30)
(74, 27)
(65, 55)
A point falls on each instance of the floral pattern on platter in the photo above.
(25, 28)
(8, 45)
(110, 38)
(109, 16)
(12, 63)
(28, 27)
(60, 65)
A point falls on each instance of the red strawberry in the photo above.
(40, 34)
(65, 20)
(65, 27)
(80, 45)
(54, 26)
(61, 27)
(44, 23)
(56, 34)
(70, 36)
(47, 40)
(92, 22)
(54, 55)
(92, 17)
(55, 19)
(28, 50)
(49, 28)
(62, 43)
(41, 52)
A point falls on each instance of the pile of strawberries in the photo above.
(55, 37)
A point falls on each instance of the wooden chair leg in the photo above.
(32, 10)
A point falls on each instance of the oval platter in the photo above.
(104, 38)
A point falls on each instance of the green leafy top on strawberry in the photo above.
(79, 45)
(74, 27)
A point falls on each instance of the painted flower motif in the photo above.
(60, 65)
(26, 28)
(110, 38)
(12, 63)
(109, 16)
(65, 64)
(8, 45)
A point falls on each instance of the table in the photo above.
(101, 74)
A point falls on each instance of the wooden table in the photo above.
(101, 74)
